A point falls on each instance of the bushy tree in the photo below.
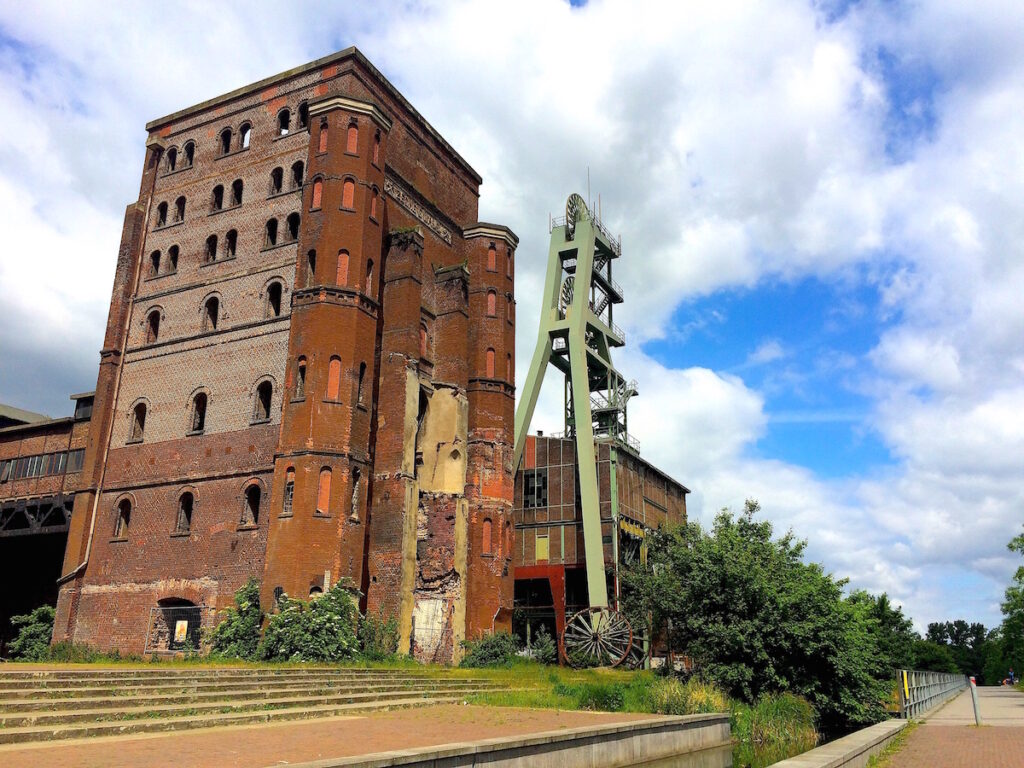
(930, 656)
(543, 647)
(1011, 632)
(323, 629)
(35, 631)
(756, 618)
(966, 643)
(238, 635)
(378, 637)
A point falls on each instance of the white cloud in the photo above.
(732, 144)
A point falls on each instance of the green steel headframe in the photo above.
(576, 336)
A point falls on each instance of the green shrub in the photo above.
(70, 653)
(238, 635)
(378, 638)
(323, 629)
(35, 630)
(544, 648)
(671, 696)
(499, 649)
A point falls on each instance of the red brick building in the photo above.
(40, 466)
(307, 373)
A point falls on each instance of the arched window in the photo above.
(244, 134)
(318, 194)
(492, 259)
(492, 304)
(373, 203)
(211, 312)
(508, 264)
(276, 180)
(289, 492)
(293, 226)
(225, 141)
(300, 379)
(179, 209)
(354, 503)
(236, 192)
(138, 423)
(153, 326)
(172, 259)
(490, 364)
(161, 214)
(124, 519)
(251, 508)
(423, 340)
(362, 377)
(303, 116)
(264, 396)
(284, 120)
(198, 413)
(352, 139)
(342, 276)
(323, 492)
(185, 505)
(376, 148)
(271, 233)
(333, 378)
(348, 194)
(154, 263)
(486, 536)
(310, 268)
(322, 143)
(217, 198)
(190, 153)
(508, 367)
(298, 174)
(172, 159)
(274, 291)
(211, 249)
(231, 244)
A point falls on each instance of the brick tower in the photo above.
(307, 374)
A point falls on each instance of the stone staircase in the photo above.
(70, 703)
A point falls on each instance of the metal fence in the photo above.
(923, 691)
(176, 628)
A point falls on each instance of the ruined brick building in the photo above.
(307, 374)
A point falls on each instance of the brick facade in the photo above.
(379, 317)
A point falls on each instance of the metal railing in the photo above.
(921, 692)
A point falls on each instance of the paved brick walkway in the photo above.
(285, 743)
(949, 738)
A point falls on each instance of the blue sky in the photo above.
(821, 205)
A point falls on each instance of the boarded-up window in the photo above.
(323, 494)
(323, 137)
(376, 148)
(373, 204)
(492, 304)
(342, 278)
(486, 535)
(508, 368)
(490, 364)
(318, 193)
(333, 378)
(542, 549)
(352, 139)
(348, 194)
(492, 259)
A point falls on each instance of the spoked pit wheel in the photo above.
(597, 637)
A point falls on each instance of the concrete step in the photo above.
(154, 687)
(134, 699)
(41, 719)
(26, 734)
(11, 682)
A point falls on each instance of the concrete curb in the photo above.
(853, 750)
(599, 746)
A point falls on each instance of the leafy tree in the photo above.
(757, 619)
(544, 648)
(238, 635)
(324, 629)
(35, 631)
(1012, 629)
(966, 643)
(893, 632)
(931, 656)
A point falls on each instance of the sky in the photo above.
(821, 205)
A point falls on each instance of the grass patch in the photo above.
(883, 758)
